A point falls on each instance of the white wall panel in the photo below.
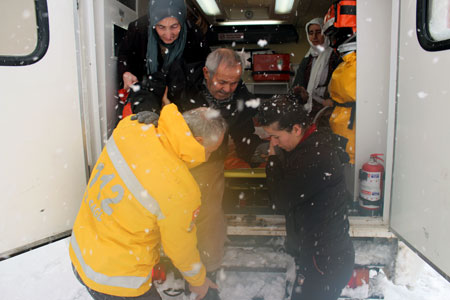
(420, 210)
(42, 171)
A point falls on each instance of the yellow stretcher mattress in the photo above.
(245, 173)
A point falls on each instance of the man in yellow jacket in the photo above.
(141, 196)
(341, 29)
(342, 89)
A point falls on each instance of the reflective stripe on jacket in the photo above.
(140, 196)
(342, 89)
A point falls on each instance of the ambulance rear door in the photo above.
(43, 166)
(420, 199)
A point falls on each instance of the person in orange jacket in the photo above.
(141, 196)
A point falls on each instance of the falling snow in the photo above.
(212, 113)
(422, 95)
(254, 103)
(45, 273)
(135, 88)
(26, 14)
(262, 43)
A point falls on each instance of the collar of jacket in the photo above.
(320, 137)
(176, 137)
(213, 102)
(219, 104)
(349, 57)
(310, 131)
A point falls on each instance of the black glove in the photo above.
(142, 99)
(146, 117)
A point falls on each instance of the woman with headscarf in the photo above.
(162, 49)
(314, 72)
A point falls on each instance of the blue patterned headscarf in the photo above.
(158, 10)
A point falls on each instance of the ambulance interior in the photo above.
(255, 29)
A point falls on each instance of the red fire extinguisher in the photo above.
(371, 180)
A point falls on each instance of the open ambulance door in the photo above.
(43, 166)
(420, 195)
(57, 69)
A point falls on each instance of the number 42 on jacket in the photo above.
(104, 207)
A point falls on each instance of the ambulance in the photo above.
(58, 75)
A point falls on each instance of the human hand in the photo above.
(201, 291)
(146, 117)
(128, 80)
(271, 147)
(328, 102)
(165, 100)
(304, 94)
(261, 153)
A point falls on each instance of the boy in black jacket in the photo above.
(305, 179)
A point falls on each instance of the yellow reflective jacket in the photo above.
(342, 89)
(140, 196)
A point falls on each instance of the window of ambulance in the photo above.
(433, 24)
(24, 31)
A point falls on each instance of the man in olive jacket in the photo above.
(223, 90)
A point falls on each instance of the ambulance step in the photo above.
(254, 269)
(369, 298)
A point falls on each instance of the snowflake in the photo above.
(262, 43)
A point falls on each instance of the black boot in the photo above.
(297, 289)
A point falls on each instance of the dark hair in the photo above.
(285, 111)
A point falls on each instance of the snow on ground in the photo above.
(45, 274)
(414, 279)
